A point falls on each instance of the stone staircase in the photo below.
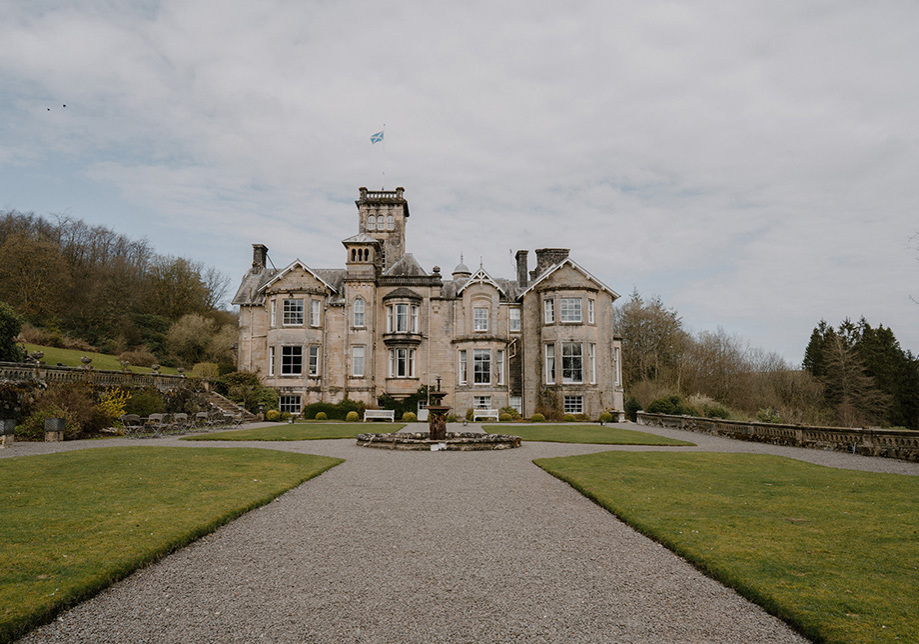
(225, 406)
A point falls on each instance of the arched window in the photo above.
(390, 223)
(359, 312)
(352, 254)
(371, 223)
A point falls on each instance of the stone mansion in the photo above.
(383, 324)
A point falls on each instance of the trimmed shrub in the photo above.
(510, 411)
(336, 411)
(409, 417)
(352, 416)
(273, 415)
(606, 417)
(451, 418)
(568, 418)
(321, 416)
(632, 407)
(505, 418)
(537, 418)
(469, 414)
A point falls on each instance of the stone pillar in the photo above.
(7, 432)
(54, 430)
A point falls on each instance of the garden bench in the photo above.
(382, 414)
(485, 413)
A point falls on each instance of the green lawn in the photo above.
(71, 358)
(299, 432)
(835, 553)
(73, 523)
(574, 433)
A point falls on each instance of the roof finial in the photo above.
(481, 263)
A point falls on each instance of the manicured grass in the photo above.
(835, 553)
(71, 358)
(73, 523)
(299, 432)
(574, 433)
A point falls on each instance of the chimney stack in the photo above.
(521, 257)
(259, 256)
(546, 258)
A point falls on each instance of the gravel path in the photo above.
(425, 547)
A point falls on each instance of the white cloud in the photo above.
(752, 163)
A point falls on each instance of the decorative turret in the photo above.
(383, 215)
(461, 271)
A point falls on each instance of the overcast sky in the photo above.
(753, 163)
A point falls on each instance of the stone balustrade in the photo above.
(17, 372)
(890, 443)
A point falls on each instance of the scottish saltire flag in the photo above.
(376, 138)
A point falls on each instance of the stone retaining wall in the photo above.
(890, 443)
(12, 372)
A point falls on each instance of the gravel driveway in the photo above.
(425, 547)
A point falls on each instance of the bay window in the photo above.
(570, 309)
(291, 361)
(401, 363)
(292, 312)
(572, 362)
(481, 366)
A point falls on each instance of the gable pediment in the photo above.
(297, 276)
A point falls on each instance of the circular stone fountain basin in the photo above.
(465, 441)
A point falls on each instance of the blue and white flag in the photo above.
(376, 138)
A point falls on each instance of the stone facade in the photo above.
(542, 341)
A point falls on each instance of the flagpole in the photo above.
(383, 185)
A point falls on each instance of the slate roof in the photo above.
(407, 266)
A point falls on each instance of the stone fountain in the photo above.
(436, 438)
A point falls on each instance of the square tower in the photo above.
(382, 215)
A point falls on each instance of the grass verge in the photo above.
(296, 432)
(835, 553)
(572, 433)
(71, 358)
(73, 523)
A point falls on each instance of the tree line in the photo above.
(89, 287)
(856, 375)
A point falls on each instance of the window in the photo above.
(514, 319)
(572, 362)
(548, 307)
(499, 365)
(314, 360)
(401, 363)
(270, 361)
(570, 309)
(592, 356)
(550, 364)
(359, 312)
(480, 319)
(274, 313)
(463, 378)
(290, 404)
(390, 223)
(590, 311)
(357, 362)
(481, 402)
(402, 318)
(371, 223)
(574, 404)
(292, 312)
(315, 308)
(516, 402)
(481, 366)
(291, 361)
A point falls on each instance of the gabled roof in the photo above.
(481, 276)
(360, 238)
(294, 264)
(407, 266)
(570, 262)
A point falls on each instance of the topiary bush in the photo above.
(510, 411)
(568, 418)
(336, 411)
(352, 416)
(537, 418)
(409, 417)
(505, 418)
(632, 407)
(606, 417)
(273, 415)
(321, 416)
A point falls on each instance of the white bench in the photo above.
(485, 413)
(382, 414)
